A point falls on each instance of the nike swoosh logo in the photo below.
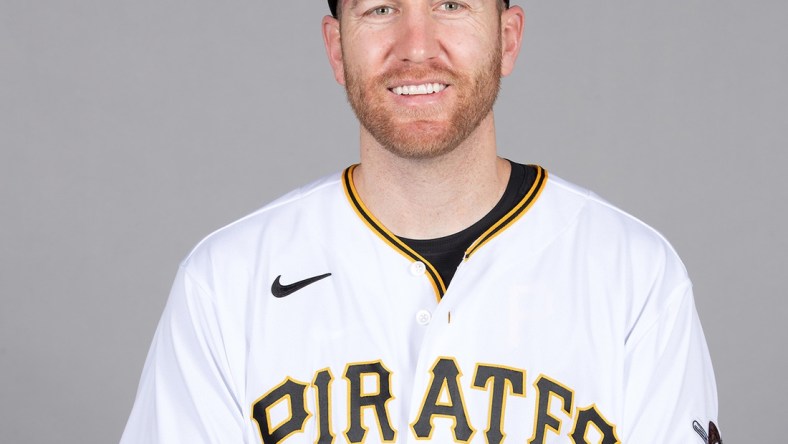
(280, 291)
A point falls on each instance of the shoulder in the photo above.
(610, 244)
(628, 263)
(297, 214)
(606, 224)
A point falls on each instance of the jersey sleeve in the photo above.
(669, 381)
(186, 392)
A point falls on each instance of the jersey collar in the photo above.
(390, 238)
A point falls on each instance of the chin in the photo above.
(421, 142)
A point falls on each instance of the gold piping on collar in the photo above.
(390, 238)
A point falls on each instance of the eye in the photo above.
(381, 10)
(451, 6)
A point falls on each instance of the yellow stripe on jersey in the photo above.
(512, 216)
(389, 237)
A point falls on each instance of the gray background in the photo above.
(129, 130)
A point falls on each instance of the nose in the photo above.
(417, 37)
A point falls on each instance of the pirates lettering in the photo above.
(366, 409)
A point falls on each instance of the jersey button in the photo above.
(417, 268)
(423, 317)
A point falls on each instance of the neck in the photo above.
(435, 197)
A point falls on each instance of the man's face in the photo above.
(421, 74)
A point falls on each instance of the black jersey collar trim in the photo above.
(390, 238)
(514, 214)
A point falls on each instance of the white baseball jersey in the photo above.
(568, 321)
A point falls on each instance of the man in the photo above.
(434, 291)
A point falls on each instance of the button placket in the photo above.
(423, 317)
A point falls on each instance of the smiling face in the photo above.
(421, 75)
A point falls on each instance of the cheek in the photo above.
(471, 44)
(470, 55)
(363, 57)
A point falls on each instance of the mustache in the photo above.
(433, 72)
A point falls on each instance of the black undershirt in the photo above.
(446, 253)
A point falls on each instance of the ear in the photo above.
(333, 42)
(512, 24)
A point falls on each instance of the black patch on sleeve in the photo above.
(712, 437)
(714, 434)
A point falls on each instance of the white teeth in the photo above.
(414, 90)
